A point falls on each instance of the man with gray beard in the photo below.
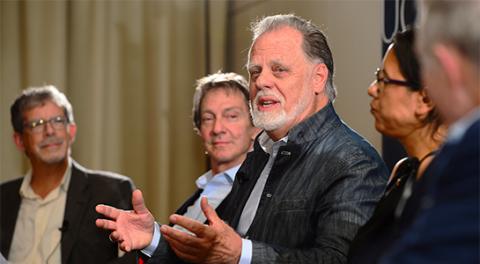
(309, 183)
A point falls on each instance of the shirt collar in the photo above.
(458, 129)
(203, 180)
(26, 190)
(266, 143)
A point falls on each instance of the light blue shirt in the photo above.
(215, 188)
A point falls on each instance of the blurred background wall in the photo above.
(129, 69)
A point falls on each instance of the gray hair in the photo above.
(37, 96)
(454, 23)
(228, 81)
(314, 45)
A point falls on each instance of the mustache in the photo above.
(270, 93)
(50, 140)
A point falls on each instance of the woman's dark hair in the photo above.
(404, 49)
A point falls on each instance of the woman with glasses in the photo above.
(402, 110)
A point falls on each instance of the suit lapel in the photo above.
(183, 209)
(10, 205)
(77, 197)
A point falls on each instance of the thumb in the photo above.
(209, 212)
(138, 203)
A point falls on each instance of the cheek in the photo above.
(205, 135)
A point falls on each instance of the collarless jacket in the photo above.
(82, 241)
(324, 184)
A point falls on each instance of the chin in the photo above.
(269, 121)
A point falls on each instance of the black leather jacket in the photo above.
(324, 184)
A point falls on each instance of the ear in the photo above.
(450, 61)
(18, 140)
(72, 131)
(320, 77)
(424, 105)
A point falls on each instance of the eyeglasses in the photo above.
(38, 126)
(386, 80)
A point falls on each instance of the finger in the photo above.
(125, 246)
(115, 236)
(106, 224)
(191, 225)
(209, 212)
(108, 211)
(185, 250)
(181, 247)
(138, 202)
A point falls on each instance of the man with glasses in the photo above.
(48, 216)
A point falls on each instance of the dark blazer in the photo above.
(82, 241)
(447, 227)
(323, 186)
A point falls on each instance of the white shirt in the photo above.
(36, 238)
(248, 214)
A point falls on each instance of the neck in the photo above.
(218, 167)
(46, 177)
(420, 143)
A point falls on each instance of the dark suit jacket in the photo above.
(446, 228)
(82, 241)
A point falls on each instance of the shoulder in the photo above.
(348, 145)
(99, 177)
(13, 184)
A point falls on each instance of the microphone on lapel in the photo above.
(64, 227)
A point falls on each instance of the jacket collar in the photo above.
(314, 126)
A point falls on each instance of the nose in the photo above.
(264, 80)
(373, 89)
(218, 126)
(48, 128)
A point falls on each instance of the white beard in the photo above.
(272, 120)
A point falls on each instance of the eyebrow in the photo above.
(270, 64)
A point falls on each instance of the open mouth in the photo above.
(264, 104)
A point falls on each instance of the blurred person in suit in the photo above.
(446, 227)
(403, 110)
(221, 118)
(48, 216)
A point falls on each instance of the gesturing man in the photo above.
(309, 183)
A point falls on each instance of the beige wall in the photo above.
(129, 69)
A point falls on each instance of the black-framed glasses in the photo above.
(38, 126)
(382, 77)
